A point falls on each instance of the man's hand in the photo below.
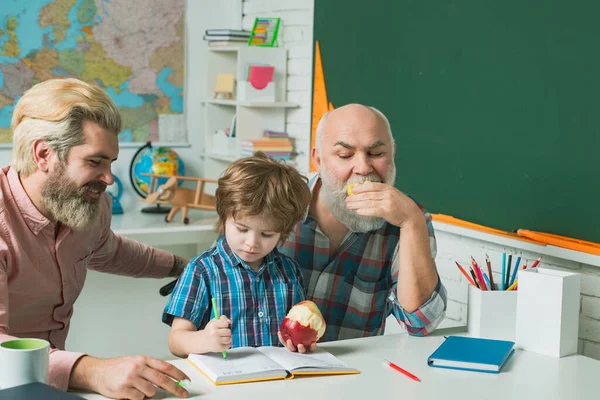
(376, 199)
(300, 349)
(218, 334)
(127, 377)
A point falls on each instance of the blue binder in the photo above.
(472, 354)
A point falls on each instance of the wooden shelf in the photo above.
(250, 104)
(225, 48)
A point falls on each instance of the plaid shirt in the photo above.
(256, 302)
(356, 289)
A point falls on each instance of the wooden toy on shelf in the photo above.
(225, 84)
(180, 198)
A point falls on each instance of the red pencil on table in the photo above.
(402, 370)
(536, 262)
(465, 274)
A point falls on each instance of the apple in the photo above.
(304, 324)
(350, 186)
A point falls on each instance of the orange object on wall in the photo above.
(447, 219)
(562, 241)
(320, 103)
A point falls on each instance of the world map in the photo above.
(133, 49)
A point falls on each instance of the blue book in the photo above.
(472, 354)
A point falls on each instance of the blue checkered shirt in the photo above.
(256, 302)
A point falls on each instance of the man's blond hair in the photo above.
(54, 111)
(259, 185)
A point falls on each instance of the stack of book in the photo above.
(276, 145)
(226, 37)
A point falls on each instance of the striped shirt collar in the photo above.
(223, 250)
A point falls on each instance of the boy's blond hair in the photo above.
(259, 185)
(55, 110)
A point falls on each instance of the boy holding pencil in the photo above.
(244, 277)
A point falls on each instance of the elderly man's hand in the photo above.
(376, 199)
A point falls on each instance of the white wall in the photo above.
(296, 35)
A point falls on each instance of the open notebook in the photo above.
(253, 364)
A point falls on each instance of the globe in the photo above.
(154, 160)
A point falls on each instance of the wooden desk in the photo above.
(526, 376)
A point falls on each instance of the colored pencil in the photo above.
(474, 278)
(514, 274)
(489, 267)
(465, 274)
(535, 264)
(487, 281)
(503, 271)
(507, 277)
(402, 370)
(216, 313)
(478, 273)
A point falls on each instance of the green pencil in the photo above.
(216, 312)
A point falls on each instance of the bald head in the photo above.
(352, 118)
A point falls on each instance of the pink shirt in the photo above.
(42, 271)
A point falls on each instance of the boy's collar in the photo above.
(235, 260)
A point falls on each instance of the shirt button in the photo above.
(260, 314)
(257, 279)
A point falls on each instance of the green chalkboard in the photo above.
(494, 105)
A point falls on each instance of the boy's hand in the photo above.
(300, 349)
(218, 334)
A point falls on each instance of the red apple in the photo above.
(304, 324)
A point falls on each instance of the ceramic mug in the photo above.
(23, 361)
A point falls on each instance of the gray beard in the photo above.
(334, 193)
(66, 202)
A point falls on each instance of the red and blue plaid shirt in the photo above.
(356, 289)
(256, 302)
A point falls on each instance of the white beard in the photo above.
(334, 193)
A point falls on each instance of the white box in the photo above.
(223, 144)
(491, 314)
(548, 311)
(247, 92)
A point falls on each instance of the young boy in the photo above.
(259, 201)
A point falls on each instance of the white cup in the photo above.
(23, 361)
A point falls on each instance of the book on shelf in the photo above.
(232, 32)
(255, 364)
(275, 135)
(225, 37)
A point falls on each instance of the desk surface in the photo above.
(526, 376)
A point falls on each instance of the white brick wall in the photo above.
(296, 35)
(456, 247)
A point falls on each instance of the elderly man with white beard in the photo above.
(367, 252)
(55, 224)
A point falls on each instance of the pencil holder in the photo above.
(491, 314)
(548, 311)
